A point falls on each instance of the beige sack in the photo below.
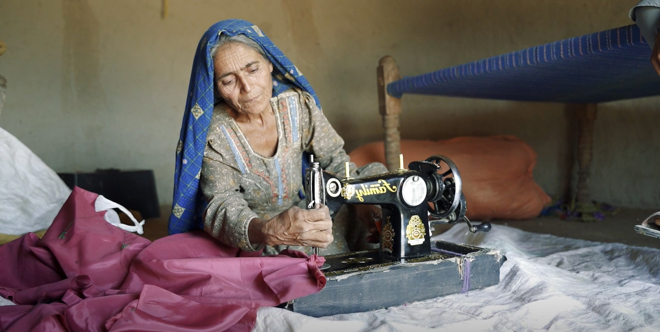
(496, 172)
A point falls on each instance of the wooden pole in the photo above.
(165, 12)
(586, 117)
(390, 109)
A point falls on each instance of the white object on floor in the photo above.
(111, 216)
(31, 193)
(4, 301)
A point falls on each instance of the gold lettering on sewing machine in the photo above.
(382, 187)
(415, 231)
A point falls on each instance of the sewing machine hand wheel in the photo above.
(449, 191)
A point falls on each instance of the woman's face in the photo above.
(243, 78)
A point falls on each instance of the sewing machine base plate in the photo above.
(360, 281)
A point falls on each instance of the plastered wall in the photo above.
(102, 84)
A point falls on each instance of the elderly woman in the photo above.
(250, 117)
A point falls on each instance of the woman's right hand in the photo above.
(295, 226)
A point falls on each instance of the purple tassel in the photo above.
(466, 267)
(466, 275)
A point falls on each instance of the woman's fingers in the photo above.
(320, 213)
(296, 226)
(318, 239)
(320, 234)
(318, 227)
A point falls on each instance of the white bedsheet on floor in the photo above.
(548, 283)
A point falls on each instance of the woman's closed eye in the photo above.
(253, 68)
(227, 82)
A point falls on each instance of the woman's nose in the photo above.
(246, 84)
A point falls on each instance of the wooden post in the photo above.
(390, 109)
(586, 117)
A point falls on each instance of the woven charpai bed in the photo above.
(586, 70)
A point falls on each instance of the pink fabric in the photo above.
(87, 275)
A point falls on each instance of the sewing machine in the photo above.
(404, 196)
(407, 266)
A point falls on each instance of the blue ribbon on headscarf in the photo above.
(188, 205)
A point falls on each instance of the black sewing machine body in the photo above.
(405, 231)
(407, 266)
(407, 197)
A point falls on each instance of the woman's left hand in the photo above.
(369, 215)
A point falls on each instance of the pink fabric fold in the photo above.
(160, 310)
(35, 261)
(86, 274)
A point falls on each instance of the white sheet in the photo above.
(31, 193)
(548, 283)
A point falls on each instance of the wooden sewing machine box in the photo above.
(358, 281)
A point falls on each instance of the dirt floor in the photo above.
(616, 228)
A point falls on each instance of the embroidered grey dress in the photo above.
(240, 185)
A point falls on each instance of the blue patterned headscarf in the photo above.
(188, 205)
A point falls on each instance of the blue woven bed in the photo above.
(594, 68)
(586, 70)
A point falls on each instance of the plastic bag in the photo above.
(31, 192)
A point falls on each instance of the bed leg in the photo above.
(586, 116)
(390, 109)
